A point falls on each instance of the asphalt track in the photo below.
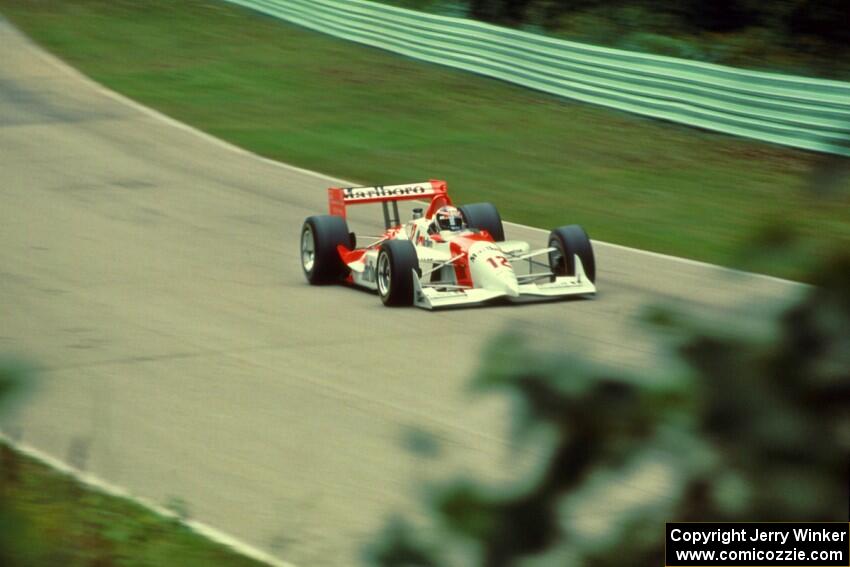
(154, 276)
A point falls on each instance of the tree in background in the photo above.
(720, 15)
(828, 20)
(510, 12)
(810, 37)
(743, 424)
(822, 17)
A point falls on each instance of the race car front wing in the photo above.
(433, 297)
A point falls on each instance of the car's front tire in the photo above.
(396, 262)
(320, 260)
(571, 241)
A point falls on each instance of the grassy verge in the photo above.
(47, 518)
(370, 116)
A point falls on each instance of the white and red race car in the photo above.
(444, 256)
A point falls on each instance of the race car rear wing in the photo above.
(434, 190)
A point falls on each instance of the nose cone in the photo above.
(491, 269)
(511, 285)
(503, 280)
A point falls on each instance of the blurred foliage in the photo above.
(798, 36)
(740, 423)
(15, 381)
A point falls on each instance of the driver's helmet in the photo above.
(448, 218)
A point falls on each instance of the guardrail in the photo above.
(812, 114)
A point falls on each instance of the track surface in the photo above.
(155, 276)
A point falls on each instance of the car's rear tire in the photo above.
(484, 216)
(570, 241)
(320, 260)
(396, 261)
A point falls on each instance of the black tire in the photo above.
(326, 232)
(484, 216)
(571, 241)
(394, 272)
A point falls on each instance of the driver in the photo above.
(447, 218)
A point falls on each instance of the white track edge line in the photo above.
(104, 486)
(69, 70)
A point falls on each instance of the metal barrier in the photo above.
(812, 114)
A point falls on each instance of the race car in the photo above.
(443, 257)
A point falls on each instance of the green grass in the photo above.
(373, 117)
(47, 518)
